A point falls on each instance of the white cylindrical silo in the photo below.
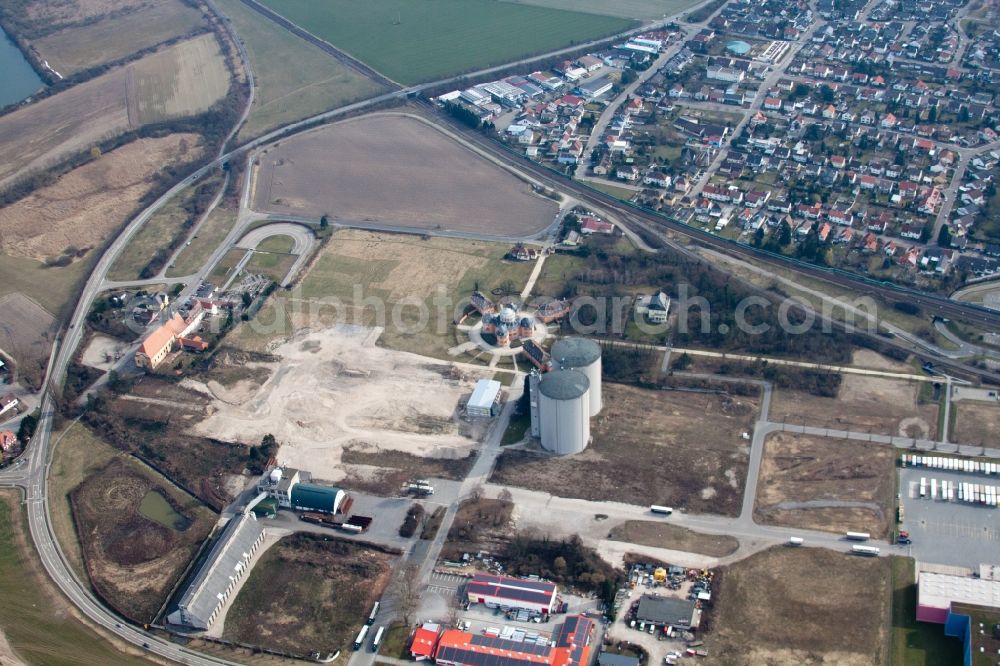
(563, 407)
(583, 355)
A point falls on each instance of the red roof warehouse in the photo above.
(570, 646)
(531, 595)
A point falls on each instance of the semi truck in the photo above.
(796, 541)
(858, 536)
(663, 510)
(867, 551)
(371, 616)
(378, 639)
(360, 640)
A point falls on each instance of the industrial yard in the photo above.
(334, 388)
(826, 484)
(372, 181)
(686, 450)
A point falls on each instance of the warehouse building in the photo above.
(311, 497)
(230, 558)
(945, 595)
(569, 646)
(485, 400)
(667, 611)
(288, 488)
(535, 596)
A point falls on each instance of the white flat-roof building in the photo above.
(485, 400)
(936, 592)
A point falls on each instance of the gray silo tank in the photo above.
(563, 407)
(583, 355)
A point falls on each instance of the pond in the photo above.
(17, 79)
(156, 507)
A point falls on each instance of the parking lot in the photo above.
(954, 533)
(656, 644)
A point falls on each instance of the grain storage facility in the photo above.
(583, 355)
(564, 411)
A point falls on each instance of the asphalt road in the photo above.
(31, 475)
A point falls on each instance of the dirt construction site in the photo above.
(396, 170)
(878, 405)
(334, 389)
(826, 484)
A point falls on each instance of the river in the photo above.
(17, 79)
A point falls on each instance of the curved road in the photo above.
(31, 474)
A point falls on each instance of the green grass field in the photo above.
(916, 643)
(158, 232)
(294, 79)
(210, 234)
(637, 9)
(411, 42)
(52, 287)
(34, 616)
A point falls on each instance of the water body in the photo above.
(156, 507)
(17, 79)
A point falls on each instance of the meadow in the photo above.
(294, 78)
(637, 9)
(411, 42)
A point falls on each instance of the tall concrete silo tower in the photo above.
(583, 355)
(564, 406)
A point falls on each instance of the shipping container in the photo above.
(933, 489)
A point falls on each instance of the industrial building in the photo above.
(229, 559)
(583, 355)
(939, 591)
(485, 400)
(535, 596)
(569, 646)
(667, 611)
(285, 485)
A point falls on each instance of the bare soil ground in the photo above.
(308, 593)
(372, 470)
(866, 404)
(663, 535)
(83, 208)
(801, 606)
(112, 30)
(332, 389)
(398, 171)
(101, 351)
(26, 328)
(675, 448)
(805, 479)
(182, 79)
(133, 562)
(975, 422)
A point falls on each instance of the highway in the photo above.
(31, 473)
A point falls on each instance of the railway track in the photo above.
(651, 222)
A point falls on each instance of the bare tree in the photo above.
(505, 495)
(409, 591)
